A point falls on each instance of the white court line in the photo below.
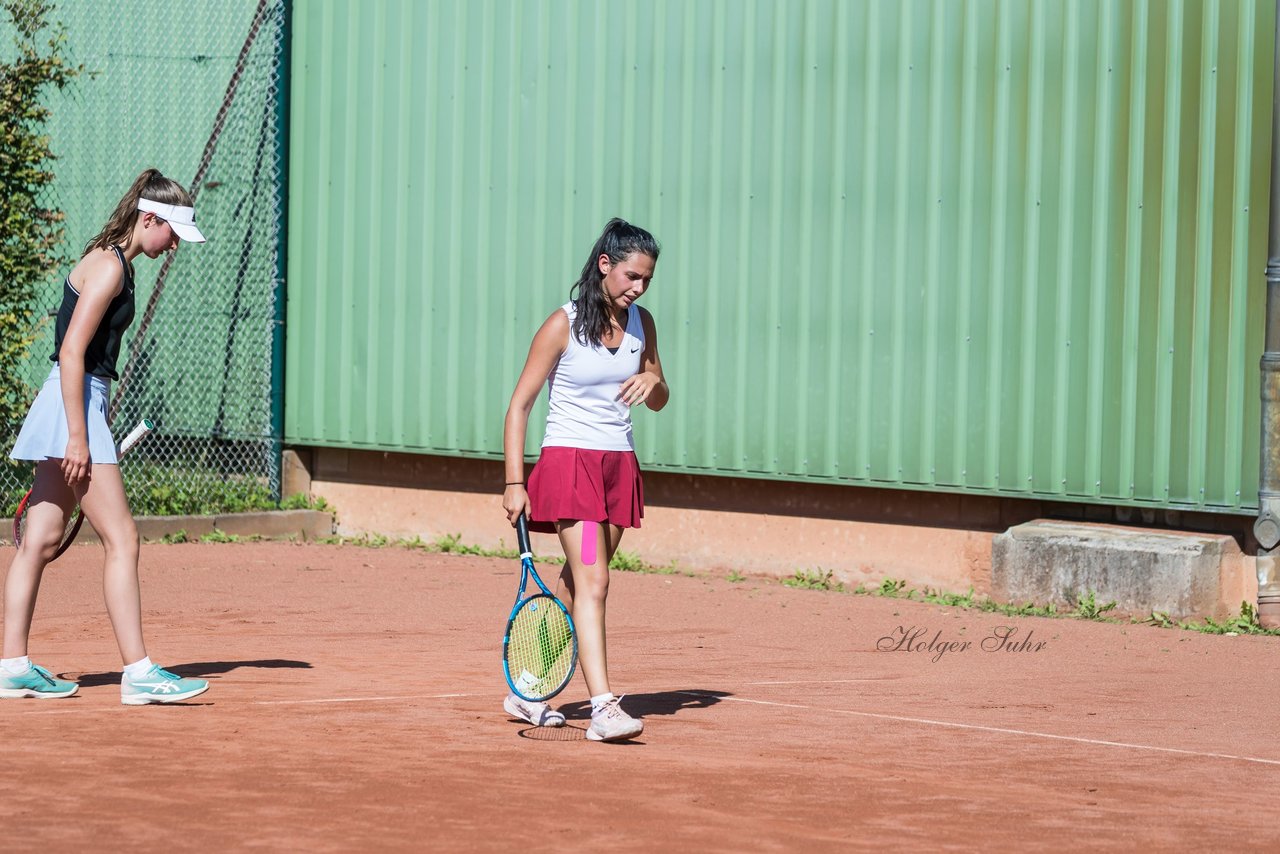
(1030, 733)
(354, 700)
(101, 709)
(820, 681)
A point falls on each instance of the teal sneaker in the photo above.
(36, 682)
(159, 686)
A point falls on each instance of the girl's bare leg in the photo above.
(51, 505)
(587, 586)
(106, 507)
(613, 539)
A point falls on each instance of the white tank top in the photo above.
(585, 411)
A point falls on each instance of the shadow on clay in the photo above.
(201, 669)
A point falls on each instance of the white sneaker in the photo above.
(159, 686)
(610, 723)
(538, 714)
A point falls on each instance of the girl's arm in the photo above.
(548, 345)
(100, 282)
(650, 385)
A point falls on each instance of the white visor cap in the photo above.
(181, 219)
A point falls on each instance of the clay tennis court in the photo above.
(356, 705)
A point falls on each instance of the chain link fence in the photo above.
(197, 91)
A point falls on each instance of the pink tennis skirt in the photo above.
(579, 484)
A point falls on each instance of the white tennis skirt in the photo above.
(44, 432)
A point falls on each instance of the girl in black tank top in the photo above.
(67, 435)
(103, 351)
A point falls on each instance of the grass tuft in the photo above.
(1087, 608)
(1244, 623)
(817, 579)
(891, 588)
(216, 536)
(624, 561)
(302, 501)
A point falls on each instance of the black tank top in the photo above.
(104, 348)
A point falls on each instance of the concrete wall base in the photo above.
(295, 472)
(721, 541)
(755, 527)
(302, 525)
(1178, 573)
(275, 524)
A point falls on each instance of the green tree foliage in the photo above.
(30, 229)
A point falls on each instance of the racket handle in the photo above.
(144, 427)
(522, 534)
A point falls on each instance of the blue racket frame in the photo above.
(526, 572)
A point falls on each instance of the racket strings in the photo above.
(540, 654)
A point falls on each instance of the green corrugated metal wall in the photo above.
(990, 247)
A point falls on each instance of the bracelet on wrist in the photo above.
(515, 483)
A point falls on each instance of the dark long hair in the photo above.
(151, 185)
(619, 240)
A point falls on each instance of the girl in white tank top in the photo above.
(585, 410)
(598, 356)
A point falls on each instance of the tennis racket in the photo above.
(77, 518)
(540, 649)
